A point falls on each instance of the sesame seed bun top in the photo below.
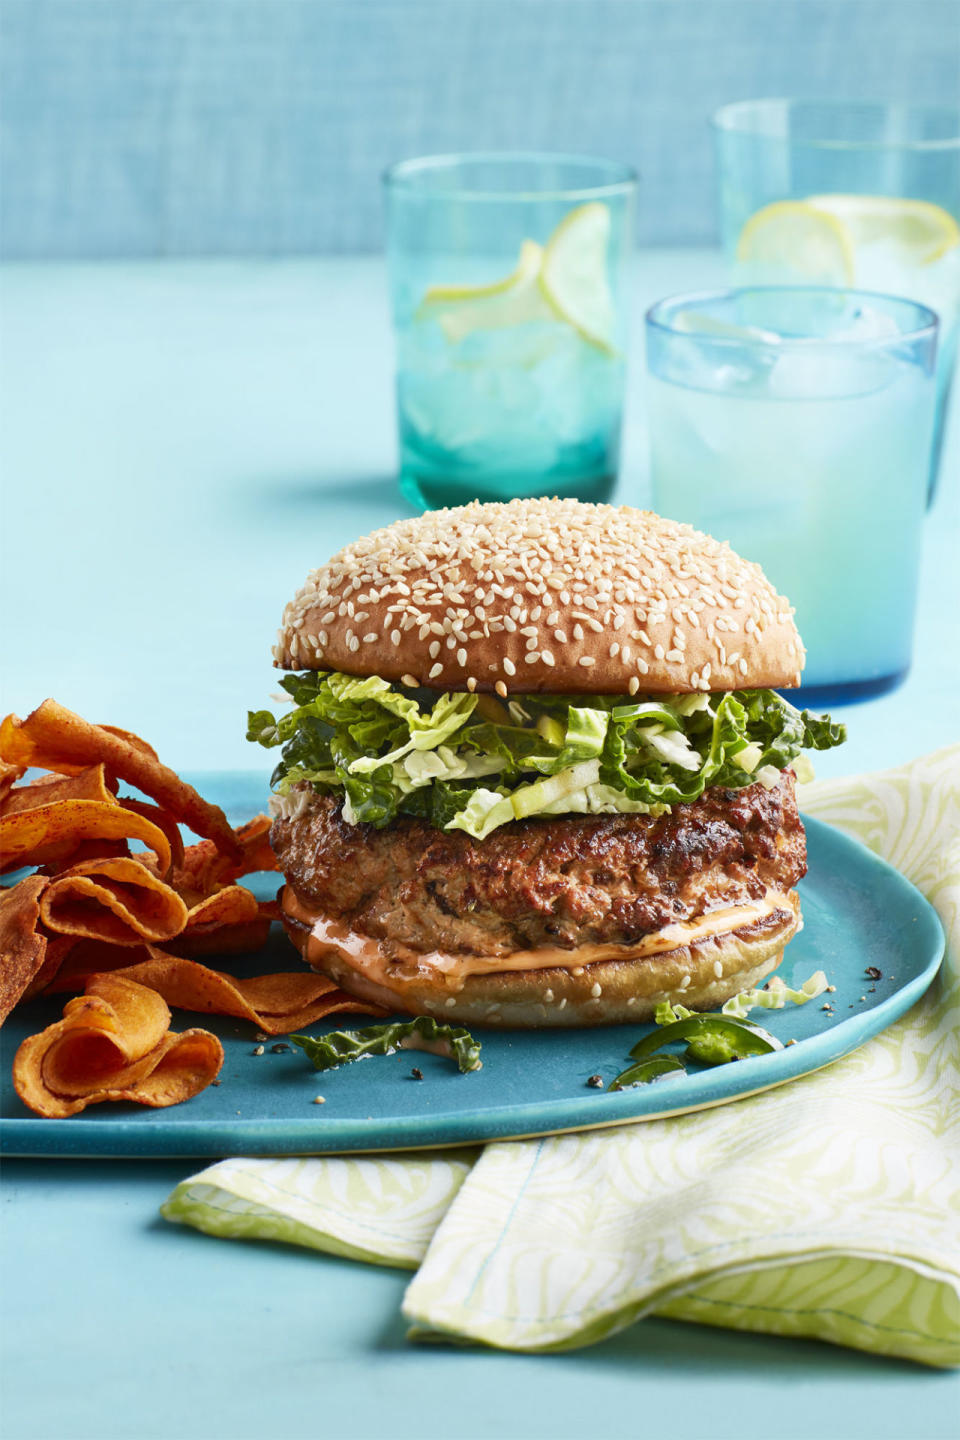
(550, 595)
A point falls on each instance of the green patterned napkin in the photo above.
(830, 1209)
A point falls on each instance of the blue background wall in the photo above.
(158, 127)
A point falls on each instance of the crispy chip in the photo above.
(231, 939)
(233, 905)
(113, 1044)
(77, 958)
(135, 740)
(204, 869)
(58, 948)
(55, 738)
(9, 775)
(22, 947)
(277, 1004)
(49, 832)
(162, 819)
(88, 784)
(119, 901)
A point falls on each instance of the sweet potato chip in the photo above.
(204, 869)
(135, 740)
(225, 923)
(9, 775)
(22, 947)
(49, 832)
(54, 738)
(113, 1043)
(277, 1004)
(77, 959)
(119, 901)
(232, 939)
(58, 948)
(233, 905)
(88, 784)
(162, 819)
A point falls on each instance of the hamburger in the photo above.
(537, 772)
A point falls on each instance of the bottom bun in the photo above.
(700, 975)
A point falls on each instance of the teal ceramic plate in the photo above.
(858, 912)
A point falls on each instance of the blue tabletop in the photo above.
(180, 444)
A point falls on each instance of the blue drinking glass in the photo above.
(847, 193)
(797, 425)
(507, 277)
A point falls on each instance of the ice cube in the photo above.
(817, 372)
(865, 322)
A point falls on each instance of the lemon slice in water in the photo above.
(797, 237)
(920, 231)
(573, 275)
(514, 300)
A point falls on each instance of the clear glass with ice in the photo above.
(850, 193)
(506, 278)
(797, 425)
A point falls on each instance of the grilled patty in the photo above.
(562, 881)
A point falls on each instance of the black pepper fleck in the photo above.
(873, 973)
(279, 1049)
(417, 1073)
(596, 1081)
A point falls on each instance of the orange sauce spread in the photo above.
(367, 955)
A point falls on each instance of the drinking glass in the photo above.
(847, 193)
(797, 424)
(507, 285)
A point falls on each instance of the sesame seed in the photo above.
(586, 660)
(369, 638)
(435, 670)
(410, 681)
(633, 685)
(578, 632)
(717, 968)
(596, 990)
(685, 982)
(471, 683)
(434, 649)
(461, 657)
(509, 666)
(450, 1002)
(501, 689)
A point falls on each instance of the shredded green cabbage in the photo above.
(466, 762)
